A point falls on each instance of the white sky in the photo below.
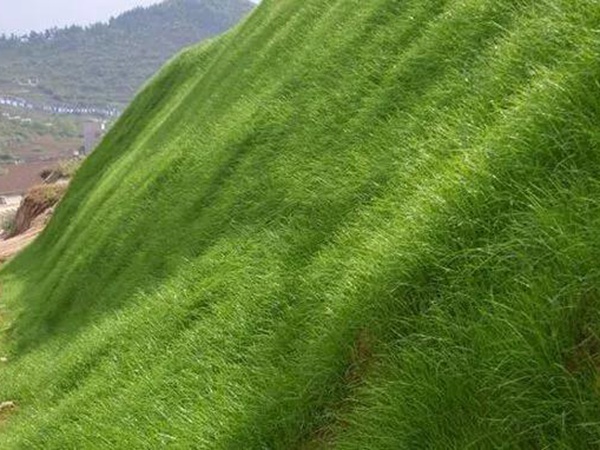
(22, 16)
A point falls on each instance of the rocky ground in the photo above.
(33, 214)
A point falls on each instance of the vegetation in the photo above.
(17, 131)
(344, 225)
(100, 66)
(66, 169)
(105, 64)
(7, 221)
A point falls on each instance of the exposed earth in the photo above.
(31, 217)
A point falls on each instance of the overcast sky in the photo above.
(22, 16)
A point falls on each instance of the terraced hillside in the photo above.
(346, 224)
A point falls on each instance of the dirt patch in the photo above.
(33, 214)
(361, 360)
(38, 201)
(30, 221)
(585, 354)
(6, 410)
(10, 247)
(52, 147)
(18, 178)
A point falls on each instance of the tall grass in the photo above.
(346, 224)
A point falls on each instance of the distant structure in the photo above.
(92, 132)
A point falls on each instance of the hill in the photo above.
(342, 225)
(106, 63)
(51, 83)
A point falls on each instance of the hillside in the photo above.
(344, 224)
(51, 83)
(105, 64)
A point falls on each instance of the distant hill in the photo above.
(53, 81)
(105, 64)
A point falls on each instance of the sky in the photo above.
(22, 16)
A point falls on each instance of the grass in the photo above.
(342, 225)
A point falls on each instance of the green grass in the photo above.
(345, 224)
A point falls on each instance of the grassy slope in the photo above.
(350, 224)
